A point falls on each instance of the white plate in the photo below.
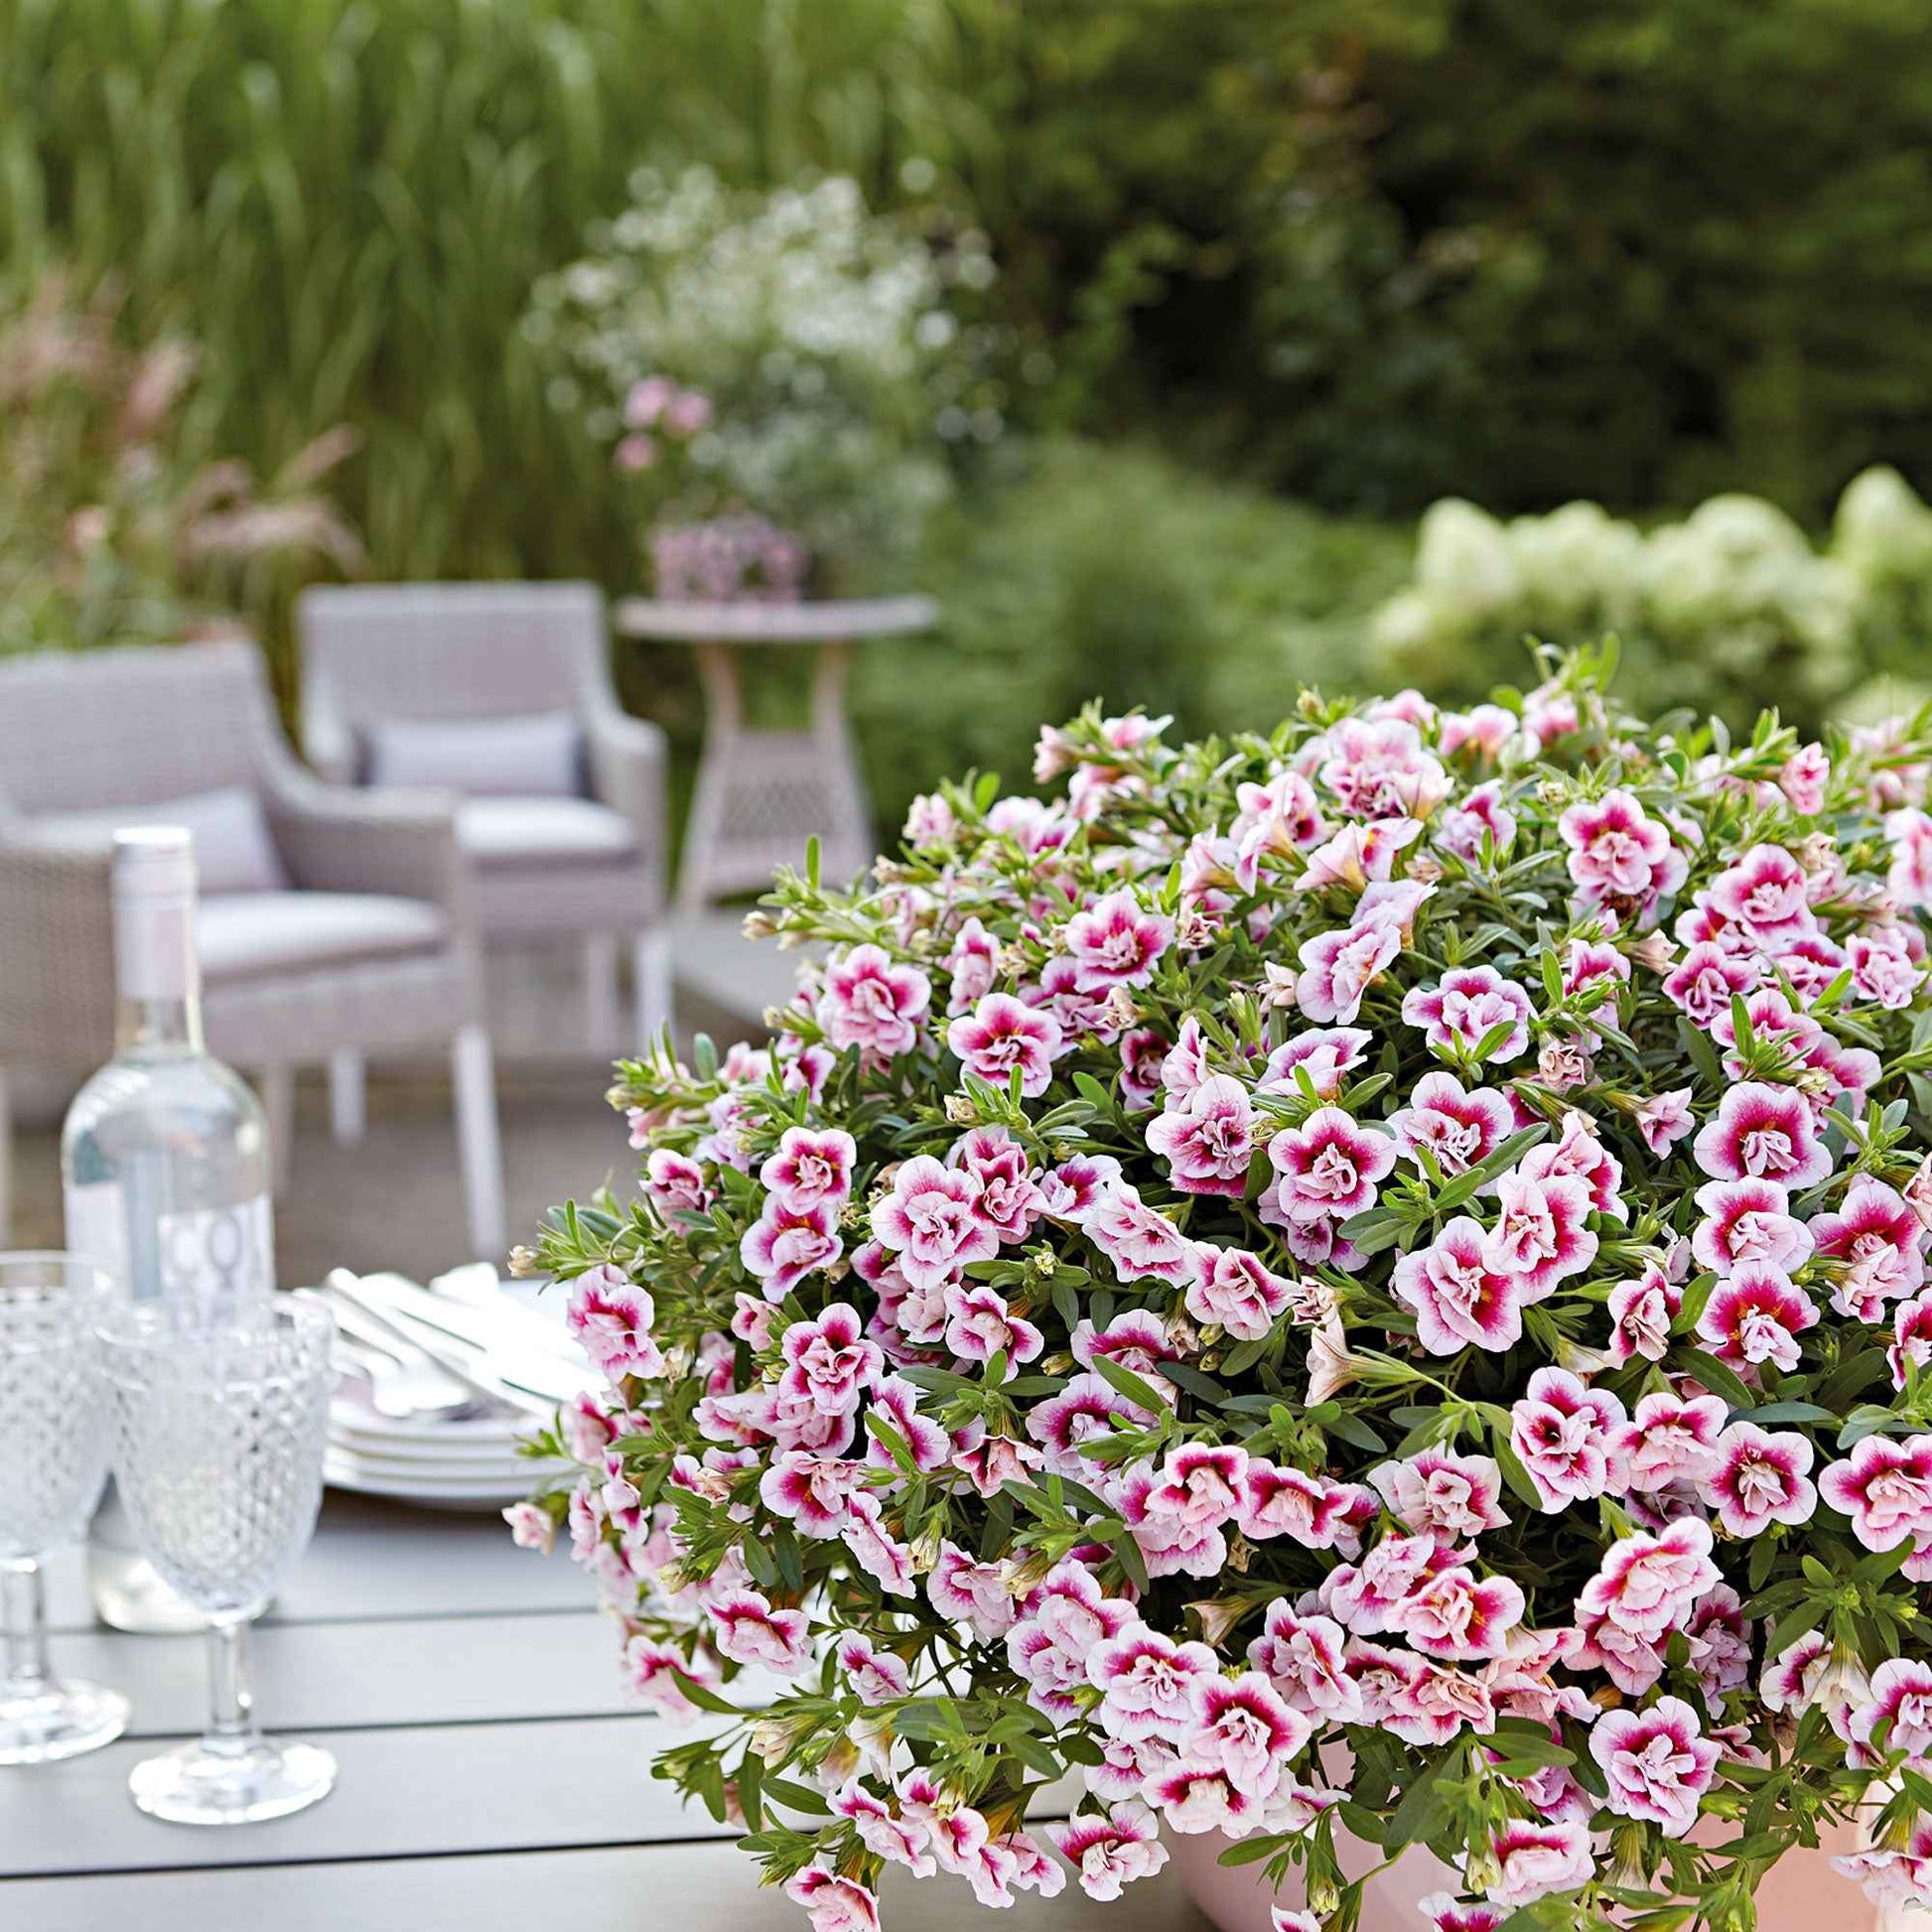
(434, 1490)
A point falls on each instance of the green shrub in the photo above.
(1116, 574)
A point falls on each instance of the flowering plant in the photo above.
(789, 357)
(1371, 1275)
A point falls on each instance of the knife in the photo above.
(492, 1351)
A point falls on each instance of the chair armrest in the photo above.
(330, 746)
(337, 839)
(57, 956)
(629, 761)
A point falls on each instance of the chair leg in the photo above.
(348, 1108)
(278, 1103)
(652, 969)
(600, 991)
(478, 1147)
(6, 1163)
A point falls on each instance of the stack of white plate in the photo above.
(462, 1452)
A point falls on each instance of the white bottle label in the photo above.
(213, 1259)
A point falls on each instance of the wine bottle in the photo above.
(165, 1162)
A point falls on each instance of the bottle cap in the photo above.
(154, 862)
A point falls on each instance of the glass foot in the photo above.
(60, 1721)
(196, 1786)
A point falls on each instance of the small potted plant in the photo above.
(1349, 1296)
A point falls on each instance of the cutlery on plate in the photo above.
(496, 1347)
(466, 1362)
(402, 1391)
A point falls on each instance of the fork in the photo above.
(401, 1386)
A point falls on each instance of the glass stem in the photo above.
(231, 1726)
(23, 1615)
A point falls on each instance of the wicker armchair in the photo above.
(361, 948)
(592, 866)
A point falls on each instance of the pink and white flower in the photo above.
(1142, 1243)
(1064, 1622)
(872, 1004)
(1885, 1487)
(1663, 1118)
(1897, 1717)
(1756, 1317)
(1116, 942)
(1760, 1479)
(786, 1244)
(747, 1629)
(1457, 1616)
(1437, 1492)
(972, 1592)
(1112, 1849)
(811, 1169)
(835, 1904)
(1657, 1762)
(1147, 1683)
(1563, 1434)
(1766, 895)
(932, 1222)
(1878, 1237)
(1748, 1225)
(1460, 1300)
(1469, 1004)
(1307, 1510)
(1649, 1584)
(1617, 850)
(1763, 1133)
(1459, 1129)
(1328, 1166)
(1208, 1139)
(1541, 1234)
(1002, 1036)
(1244, 1730)
(829, 1363)
(1339, 968)
(612, 1316)
(1235, 1292)
(1305, 1658)
(1705, 981)
(1641, 1315)
(1532, 1860)
(980, 1326)
(873, 1676)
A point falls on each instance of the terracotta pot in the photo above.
(1801, 1895)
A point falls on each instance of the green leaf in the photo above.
(703, 1696)
(1135, 1388)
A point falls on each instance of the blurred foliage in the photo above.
(1111, 573)
(115, 526)
(1727, 610)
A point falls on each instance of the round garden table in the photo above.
(761, 793)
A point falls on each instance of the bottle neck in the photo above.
(157, 977)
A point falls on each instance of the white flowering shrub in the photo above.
(789, 357)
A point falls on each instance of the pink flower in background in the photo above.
(1305, 1660)
(1898, 1714)
(1909, 881)
(1884, 973)
(1198, 1486)
(1115, 943)
(1002, 1036)
(1235, 1290)
(652, 1671)
(1329, 1165)
(1460, 1300)
(930, 1222)
(1460, 828)
(747, 1630)
(1912, 1338)
(1763, 1133)
(687, 412)
(1616, 849)
(1664, 1119)
(1457, 1616)
(829, 1362)
(1380, 769)
(1747, 1224)
(1071, 1190)
(1657, 1761)
(1447, 1914)
(1007, 1201)
(901, 1839)
(634, 452)
(1337, 968)
(872, 1004)
(612, 1316)
(811, 1169)
(813, 1491)
(1461, 1128)
(1642, 1313)
(1465, 1006)
(1564, 1436)
(971, 967)
(835, 1904)
(1208, 1139)
(1141, 1243)
(532, 1527)
(1756, 1317)
(1803, 777)
(1143, 1060)
(1539, 1237)
(1111, 1849)
(645, 401)
(1760, 1479)
(1884, 1487)
(878, 1553)
(786, 1244)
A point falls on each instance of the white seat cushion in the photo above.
(542, 831)
(234, 852)
(493, 757)
(240, 935)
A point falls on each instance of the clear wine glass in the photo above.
(218, 1459)
(55, 1433)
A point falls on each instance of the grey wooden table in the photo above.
(491, 1769)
